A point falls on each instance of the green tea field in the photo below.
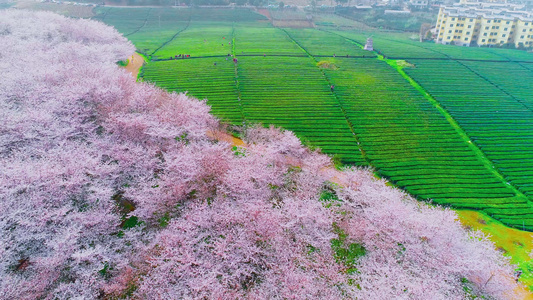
(451, 125)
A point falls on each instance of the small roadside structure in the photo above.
(369, 46)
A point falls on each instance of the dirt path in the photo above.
(228, 138)
(134, 65)
(523, 293)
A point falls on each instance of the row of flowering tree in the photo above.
(112, 189)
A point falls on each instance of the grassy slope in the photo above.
(512, 242)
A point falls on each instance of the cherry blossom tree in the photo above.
(113, 189)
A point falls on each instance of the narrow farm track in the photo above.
(144, 24)
(237, 75)
(242, 55)
(135, 63)
(172, 38)
(528, 66)
(105, 15)
(530, 69)
(355, 57)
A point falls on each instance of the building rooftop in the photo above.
(504, 11)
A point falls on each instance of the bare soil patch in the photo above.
(134, 65)
(265, 12)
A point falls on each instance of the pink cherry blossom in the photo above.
(112, 188)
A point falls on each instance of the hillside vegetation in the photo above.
(448, 124)
(113, 189)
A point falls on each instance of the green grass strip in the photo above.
(464, 136)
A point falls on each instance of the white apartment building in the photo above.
(485, 24)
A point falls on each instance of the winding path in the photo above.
(135, 62)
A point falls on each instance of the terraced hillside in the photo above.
(292, 93)
(408, 140)
(209, 78)
(496, 114)
(445, 123)
(321, 43)
(212, 39)
(264, 41)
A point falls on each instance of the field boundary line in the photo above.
(448, 59)
(495, 85)
(172, 38)
(104, 14)
(506, 93)
(452, 58)
(447, 56)
(378, 52)
(521, 64)
(355, 57)
(236, 65)
(144, 24)
(462, 133)
(350, 125)
(245, 55)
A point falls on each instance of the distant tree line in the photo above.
(178, 2)
(376, 18)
